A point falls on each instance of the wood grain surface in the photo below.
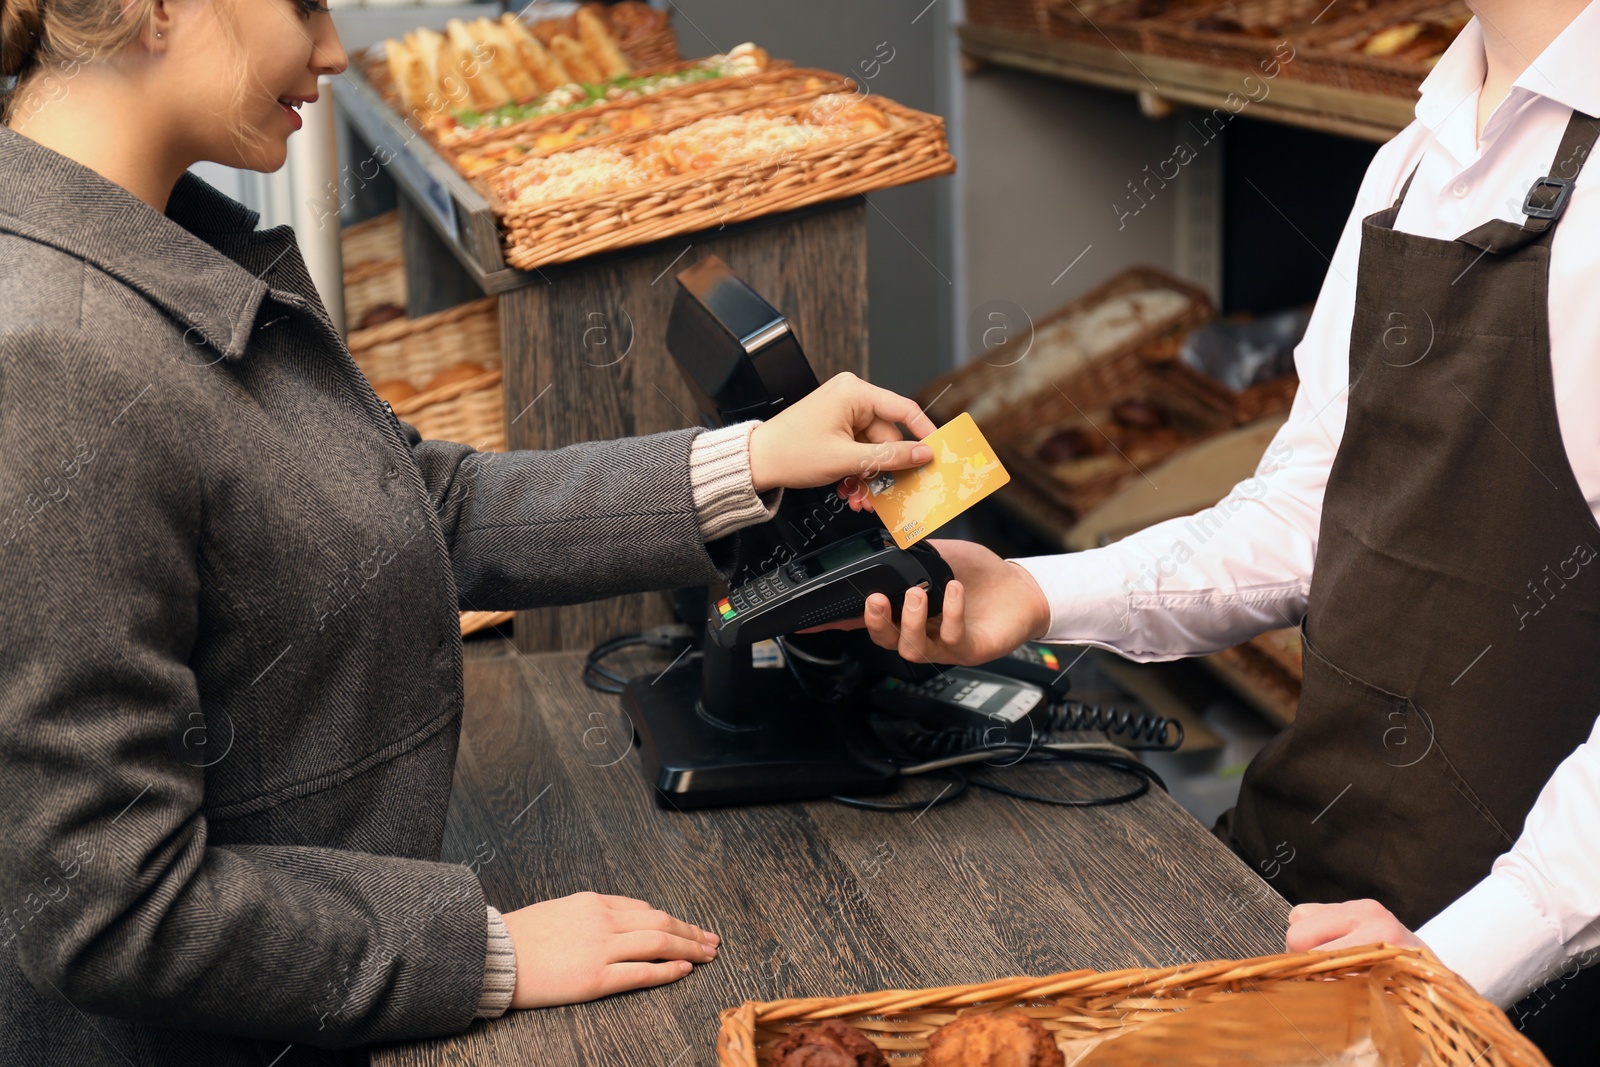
(810, 899)
(435, 280)
(584, 346)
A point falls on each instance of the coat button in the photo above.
(392, 472)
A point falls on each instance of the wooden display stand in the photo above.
(586, 357)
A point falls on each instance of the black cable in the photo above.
(960, 779)
(597, 676)
(1111, 760)
(1146, 731)
(963, 745)
(843, 682)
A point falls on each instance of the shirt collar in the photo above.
(174, 259)
(1564, 72)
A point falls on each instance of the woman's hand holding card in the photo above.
(844, 428)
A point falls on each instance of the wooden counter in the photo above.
(810, 899)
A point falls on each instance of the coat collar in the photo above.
(175, 259)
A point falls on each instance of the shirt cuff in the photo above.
(725, 497)
(1087, 596)
(499, 970)
(1496, 939)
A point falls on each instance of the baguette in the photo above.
(404, 69)
(576, 60)
(433, 96)
(507, 63)
(545, 68)
(546, 30)
(601, 46)
(455, 81)
(475, 63)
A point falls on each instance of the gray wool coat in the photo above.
(230, 659)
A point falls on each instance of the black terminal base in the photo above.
(794, 748)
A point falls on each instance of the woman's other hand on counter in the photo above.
(1348, 925)
(589, 945)
(844, 428)
(990, 608)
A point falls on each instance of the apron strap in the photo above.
(1406, 188)
(1547, 200)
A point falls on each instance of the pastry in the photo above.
(475, 63)
(723, 140)
(632, 20)
(1138, 413)
(513, 73)
(545, 68)
(830, 1043)
(576, 60)
(394, 390)
(379, 314)
(993, 1039)
(454, 375)
(1069, 445)
(600, 45)
(488, 64)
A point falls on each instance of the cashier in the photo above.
(1428, 517)
(230, 649)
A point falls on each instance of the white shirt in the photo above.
(1196, 585)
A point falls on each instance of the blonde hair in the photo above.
(42, 43)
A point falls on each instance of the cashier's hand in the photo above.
(990, 608)
(1348, 925)
(845, 428)
(589, 945)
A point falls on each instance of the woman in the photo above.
(230, 682)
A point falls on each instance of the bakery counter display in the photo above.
(1350, 68)
(541, 143)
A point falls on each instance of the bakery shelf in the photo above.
(1368, 116)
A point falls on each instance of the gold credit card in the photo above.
(964, 469)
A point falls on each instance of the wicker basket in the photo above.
(373, 284)
(1455, 1026)
(373, 271)
(1332, 54)
(374, 240)
(647, 44)
(1074, 387)
(676, 107)
(913, 148)
(1024, 16)
(1118, 24)
(1186, 34)
(1081, 486)
(471, 411)
(652, 50)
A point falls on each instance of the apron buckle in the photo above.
(1554, 204)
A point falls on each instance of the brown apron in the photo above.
(1452, 646)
